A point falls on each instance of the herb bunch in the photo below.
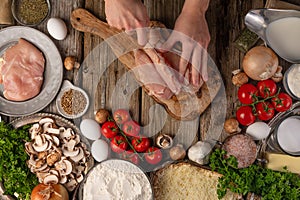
(269, 184)
(14, 173)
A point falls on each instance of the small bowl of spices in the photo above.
(31, 12)
(72, 102)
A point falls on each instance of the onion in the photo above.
(260, 63)
(49, 192)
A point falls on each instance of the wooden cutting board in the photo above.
(183, 106)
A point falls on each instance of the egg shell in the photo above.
(258, 130)
(100, 150)
(57, 28)
(90, 129)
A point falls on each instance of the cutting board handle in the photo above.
(83, 20)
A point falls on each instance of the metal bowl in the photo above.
(285, 82)
(15, 6)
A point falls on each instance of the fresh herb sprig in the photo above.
(14, 173)
(269, 184)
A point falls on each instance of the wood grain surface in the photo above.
(225, 20)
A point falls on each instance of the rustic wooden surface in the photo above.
(225, 20)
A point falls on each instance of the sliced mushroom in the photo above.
(41, 148)
(42, 155)
(29, 149)
(53, 157)
(34, 130)
(55, 140)
(41, 175)
(67, 134)
(41, 168)
(39, 140)
(68, 169)
(63, 179)
(55, 172)
(31, 161)
(70, 145)
(54, 131)
(71, 185)
(47, 126)
(71, 153)
(50, 179)
(78, 157)
(46, 120)
(79, 178)
(39, 163)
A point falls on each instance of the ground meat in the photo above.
(242, 147)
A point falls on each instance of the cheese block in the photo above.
(278, 161)
(187, 181)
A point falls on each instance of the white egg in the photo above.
(100, 150)
(90, 129)
(258, 130)
(57, 28)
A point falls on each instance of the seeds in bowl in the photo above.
(73, 102)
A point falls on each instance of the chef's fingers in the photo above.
(167, 46)
(196, 66)
(204, 62)
(142, 36)
(185, 57)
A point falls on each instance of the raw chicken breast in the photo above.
(21, 71)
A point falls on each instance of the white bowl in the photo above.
(67, 85)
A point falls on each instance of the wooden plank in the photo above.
(102, 88)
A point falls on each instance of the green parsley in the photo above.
(269, 184)
(14, 173)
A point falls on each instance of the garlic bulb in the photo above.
(200, 152)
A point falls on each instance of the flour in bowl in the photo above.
(117, 179)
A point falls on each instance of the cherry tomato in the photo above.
(131, 128)
(109, 129)
(130, 156)
(267, 88)
(153, 155)
(245, 115)
(247, 93)
(121, 116)
(140, 144)
(264, 110)
(282, 102)
(118, 144)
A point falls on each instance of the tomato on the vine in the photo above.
(109, 129)
(153, 155)
(267, 88)
(245, 115)
(282, 102)
(140, 144)
(130, 156)
(264, 110)
(118, 144)
(247, 93)
(131, 128)
(121, 116)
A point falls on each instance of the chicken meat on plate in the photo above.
(21, 71)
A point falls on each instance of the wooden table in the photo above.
(225, 20)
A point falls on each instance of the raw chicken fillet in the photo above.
(21, 71)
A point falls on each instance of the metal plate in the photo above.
(53, 73)
(60, 121)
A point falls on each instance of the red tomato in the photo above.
(131, 128)
(121, 116)
(247, 93)
(109, 129)
(245, 115)
(153, 155)
(140, 144)
(130, 156)
(267, 88)
(264, 110)
(118, 144)
(282, 102)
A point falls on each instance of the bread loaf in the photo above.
(187, 182)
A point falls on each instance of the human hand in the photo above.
(128, 15)
(192, 32)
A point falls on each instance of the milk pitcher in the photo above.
(280, 29)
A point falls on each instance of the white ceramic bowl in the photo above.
(67, 85)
